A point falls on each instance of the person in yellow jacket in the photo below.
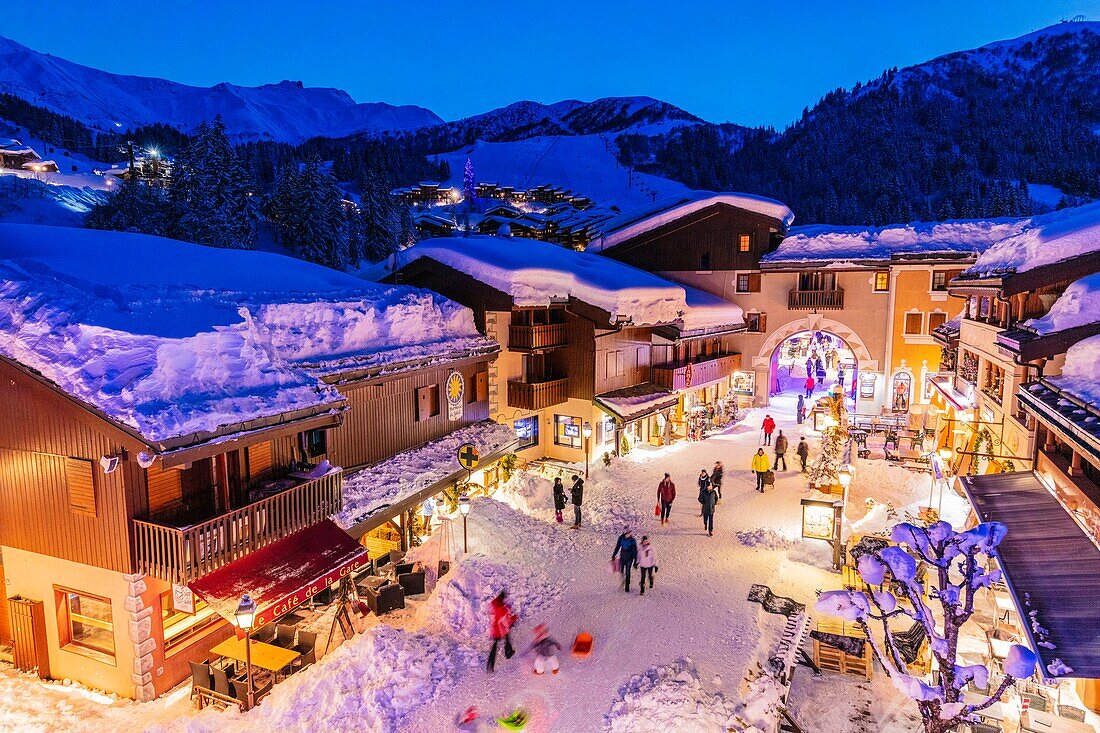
(760, 465)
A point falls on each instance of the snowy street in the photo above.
(671, 660)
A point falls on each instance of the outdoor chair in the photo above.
(385, 598)
(265, 633)
(240, 690)
(200, 678)
(221, 682)
(1071, 713)
(402, 567)
(284, 636)
(307, 647)
(412, 583)
(1035, 702)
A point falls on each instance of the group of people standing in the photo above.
(576, 498)
(762, 466)
(629, 554)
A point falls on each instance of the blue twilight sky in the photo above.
(746, 61)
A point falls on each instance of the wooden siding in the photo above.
(383, 421)
(39, 431)
(622, 359)
(5, 626)
(260, 463)
(577, 361)
(712, 232)
(165, 487)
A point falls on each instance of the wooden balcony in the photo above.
(182, 554)
(675, 377)
(537, 395)
(822, 300)
(536, 338)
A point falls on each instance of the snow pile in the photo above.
(1078, 375)
(384, 484)
(1042, 240)
(668, 698)
(709, 311)
(647, 218)
(459, 604)
(174, 339)
(25, 200)
(1079, 305)
(763, 537)
(373, 682)
(530, 494)
(832, 243)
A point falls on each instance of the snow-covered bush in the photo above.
(956, 563)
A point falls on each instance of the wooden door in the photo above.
(28, 622)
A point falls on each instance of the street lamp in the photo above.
(246, 615)
(586, 431)
(464, 510)
(844, 475)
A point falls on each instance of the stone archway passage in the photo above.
(813, 323)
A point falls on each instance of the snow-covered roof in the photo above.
(664, 211)
(18, 149)
(640, 400)
(174, 339)
(708, 312)
(852, 245)
(1079, 305)
(369, 491)
(1042, 240)
(1079, 374)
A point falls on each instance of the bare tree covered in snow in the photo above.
(956, 563)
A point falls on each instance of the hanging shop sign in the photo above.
(456, 395)
(744, 382)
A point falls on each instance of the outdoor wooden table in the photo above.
(1036, 721)
(266, 656)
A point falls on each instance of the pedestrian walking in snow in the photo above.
(780, 451)
(559, 499)
(501, 620)
(666, 494)
(821, 372)
(768, 427)
(576, 495)
(760, 466)
(800, 410)
(708, 498)
(546, 649)
(810, 386)
(716, 478)
(809, 366)
(840, 376)
(803, 452)
(704, 486)
(647, 564)
(626, 549)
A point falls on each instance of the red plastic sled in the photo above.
(582, 645)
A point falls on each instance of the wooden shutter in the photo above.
(481, 382)
(754, 282)
(81, 483)
(165, 487)
(259, 461)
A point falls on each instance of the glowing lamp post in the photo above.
(586, 431)
(464, 510)
(246, 616)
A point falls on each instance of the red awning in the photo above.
(284, 574)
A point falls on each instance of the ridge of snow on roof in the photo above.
(664, 211)
(841, 244)
(537, 273)
(1079, 374)
(709, 311)
(173, 339)
(1078, 305)
(1042, 240)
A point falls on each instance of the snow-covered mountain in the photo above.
(286, 111)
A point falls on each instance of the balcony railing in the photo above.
(182, 554)
(676, 377)
(532, 338)
(537, 395)
(816, 299)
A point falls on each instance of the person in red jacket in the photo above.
(666, 493)
(769, 428)
(810, 383)
(501, 620)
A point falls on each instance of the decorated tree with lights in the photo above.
(823, 473)
(467, 195)
(956, 562)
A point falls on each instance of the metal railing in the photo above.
(182, 554)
